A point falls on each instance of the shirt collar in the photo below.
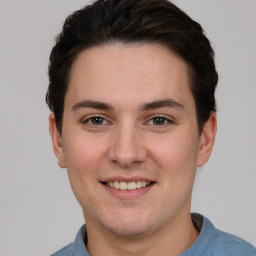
(79, 248)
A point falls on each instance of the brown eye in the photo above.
(97, 120)
(159, 120)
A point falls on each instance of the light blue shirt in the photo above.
(211, 242)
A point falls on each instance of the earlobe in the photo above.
(56, 141)
(207, 139)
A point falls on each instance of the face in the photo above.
(130, 138)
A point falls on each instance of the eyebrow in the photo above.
(147, 106)
(161, 104)
(92, 104)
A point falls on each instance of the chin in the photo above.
(129, 225)
(130, 231)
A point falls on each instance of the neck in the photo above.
(176, 237)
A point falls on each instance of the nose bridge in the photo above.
(127, 147)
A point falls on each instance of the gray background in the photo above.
(38, 212)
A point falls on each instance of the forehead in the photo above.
(131, 72)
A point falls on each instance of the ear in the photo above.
(207, 139)
(56, 141)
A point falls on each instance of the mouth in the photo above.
(132, 185)
(128, 188)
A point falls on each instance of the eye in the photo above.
(160, 121)
(95, 120)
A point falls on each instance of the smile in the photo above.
(128, 185)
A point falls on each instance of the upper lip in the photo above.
(126, 179)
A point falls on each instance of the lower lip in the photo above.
(128, 194)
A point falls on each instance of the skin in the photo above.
(128, 142)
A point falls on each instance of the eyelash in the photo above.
(90, 120)
(167, 121)
(103, 120)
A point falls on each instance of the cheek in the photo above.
(175, 154)
(175, 149)
(83, 153)
(83, 157)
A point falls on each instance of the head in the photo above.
(132, 90)
(134, 22)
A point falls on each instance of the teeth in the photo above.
(128, 185)
(132, 185)
(116, 184)
(123, 185)
(139, 184)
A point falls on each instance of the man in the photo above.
(132, 94)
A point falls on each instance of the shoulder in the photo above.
(214, 242)
(66, 251)
(222, 243)
(228, 244)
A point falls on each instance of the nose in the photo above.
(127, 147)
